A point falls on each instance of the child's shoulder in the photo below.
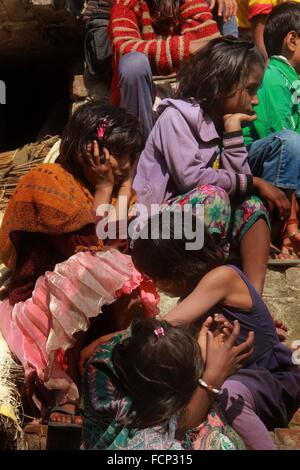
(272, 74)
(225, 273)
(278, 72)
(177, 110)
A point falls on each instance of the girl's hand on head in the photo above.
(202, 337)
(223, 328)
(98, 168)
(234, 122)
(223, 358)
(275, 196)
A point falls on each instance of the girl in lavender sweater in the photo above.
(196, 153)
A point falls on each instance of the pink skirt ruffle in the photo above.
(62, 304)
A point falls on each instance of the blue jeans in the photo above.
(136, 88)
(276, 159)
(227, 28)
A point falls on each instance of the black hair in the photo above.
(122, 134)
(283, 19)
(163, 258)
(165, 8)
(214, 71)
(160, 373)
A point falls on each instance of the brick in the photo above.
(287, 439)
(35, 436)
(79, 91)
(295, 421)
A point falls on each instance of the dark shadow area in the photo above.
(37, 101)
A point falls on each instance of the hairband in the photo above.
(101, 129)
(159, 332)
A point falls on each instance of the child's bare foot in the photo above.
(284, 254)
(292, 236)
(281, 329)
(66, 413)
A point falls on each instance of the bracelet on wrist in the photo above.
(210, 388)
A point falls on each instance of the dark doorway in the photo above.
(37, 101)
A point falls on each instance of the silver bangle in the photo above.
(216, 391)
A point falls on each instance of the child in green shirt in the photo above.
(273, 139)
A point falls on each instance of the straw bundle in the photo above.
(15, 164)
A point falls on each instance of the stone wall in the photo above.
(30, 28)
(282, 295)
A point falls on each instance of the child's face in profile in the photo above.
(243, 98)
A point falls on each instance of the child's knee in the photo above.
(133, 66)
(214, 192)
(251, 205)
(291, 142)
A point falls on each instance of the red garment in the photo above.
(132, 30)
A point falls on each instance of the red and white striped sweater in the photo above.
(131, 30)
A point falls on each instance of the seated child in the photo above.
(197, 141)
(54, 290)
(144, 392)
(267, 389)
(153, 38)
(252, 16)
(273, 138)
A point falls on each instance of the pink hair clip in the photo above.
(159, 332)
(101, 129)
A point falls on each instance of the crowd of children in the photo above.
(213, 373)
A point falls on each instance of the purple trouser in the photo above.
(239, 408)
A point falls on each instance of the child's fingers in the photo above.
(205, 327)
(281, 333)
(245, 345)
(226, 10)
(222, 321)
(280, 324)
(89, 152)
(212, 4)
(210, 338)
(234, 334)
(248, 117)
(207, 324)
(235, 7)
(229, 8)
(220, 7)
(219, 318)
(226, 331)
(96, 153)
(243, 357)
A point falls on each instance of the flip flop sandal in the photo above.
(64, 436)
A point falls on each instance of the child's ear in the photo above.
(291, 40)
